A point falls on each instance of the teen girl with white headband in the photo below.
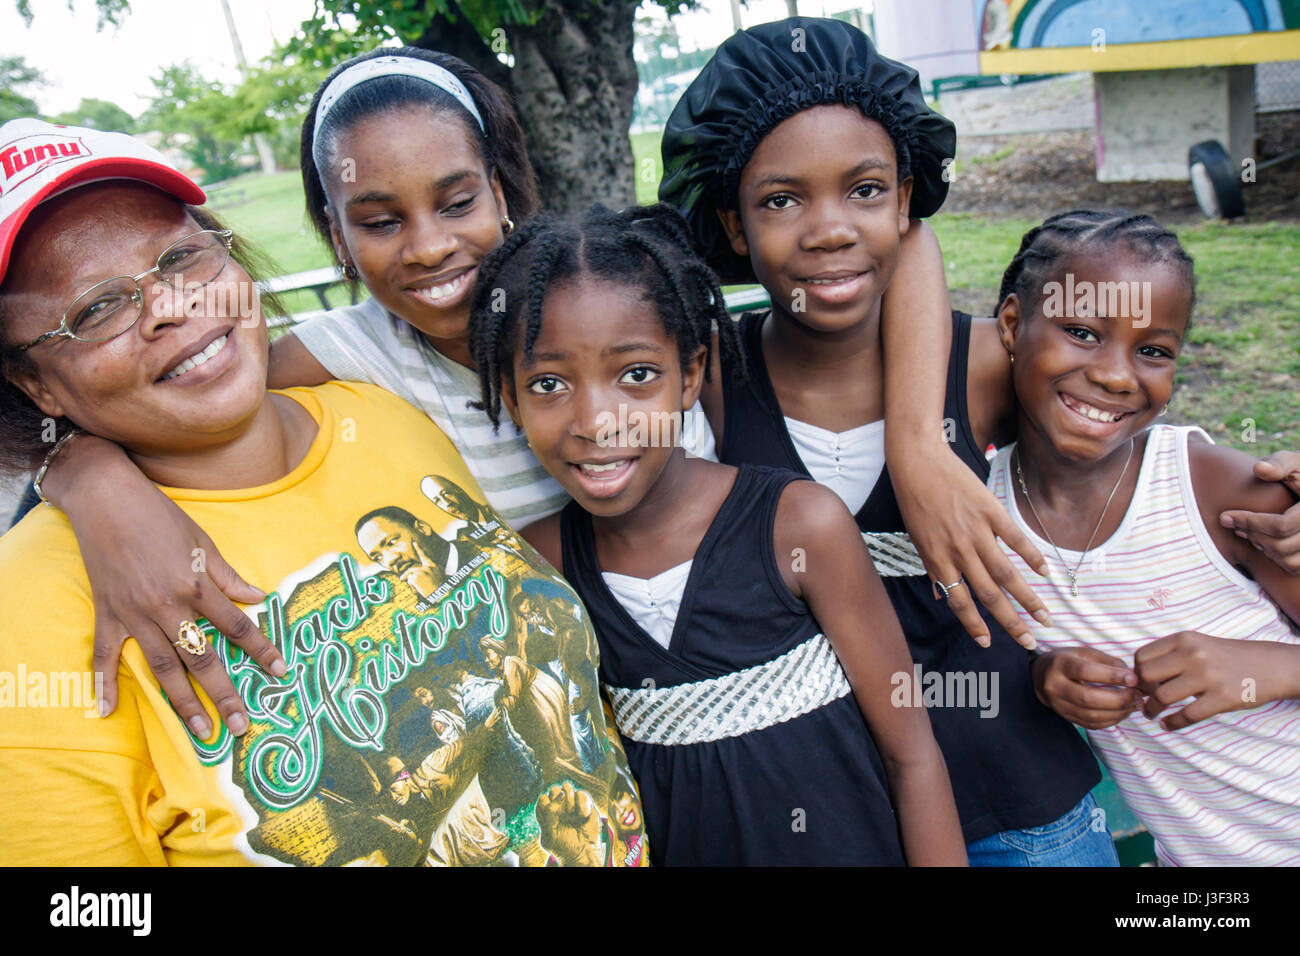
(414, 168)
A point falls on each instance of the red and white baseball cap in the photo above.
(39, 160)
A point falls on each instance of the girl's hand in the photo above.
(1277, 536)
(1067, 679)
(1221, 673)
(955, 523)
(150, 568)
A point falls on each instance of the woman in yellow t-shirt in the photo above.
(379, 732)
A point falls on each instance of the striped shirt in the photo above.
(365, 343)
(1226, 790)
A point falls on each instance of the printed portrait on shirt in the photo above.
(441, 705)
(407, 546)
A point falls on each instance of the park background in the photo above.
(221, 87)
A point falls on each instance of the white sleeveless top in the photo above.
(1225, 791)
(652, 602)
(849, 463)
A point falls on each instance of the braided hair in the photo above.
(643, 246)
(1081, 230)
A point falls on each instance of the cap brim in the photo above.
(100, 170)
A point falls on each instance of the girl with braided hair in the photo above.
(752, 691)
(1172, 643)
(797, 157)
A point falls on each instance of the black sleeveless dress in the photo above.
(743, 734)
(1023, 767)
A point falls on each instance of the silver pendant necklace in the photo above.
(1073, 574)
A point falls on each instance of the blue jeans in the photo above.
(1079, 838)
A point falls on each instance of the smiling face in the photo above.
(601, 400)
(401, 549)
(449, 498)
(415, 213)
(189, 375)
(821, 226)
(1090, 378)
(626, 813)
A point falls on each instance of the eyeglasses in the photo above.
(109, 308)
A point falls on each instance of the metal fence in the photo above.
(1277, 86)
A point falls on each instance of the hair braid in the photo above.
(539, 278)
(1072, 233)
(644, 248)
(492, 320)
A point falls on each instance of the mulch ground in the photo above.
(1045, 173)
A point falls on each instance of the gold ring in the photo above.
(190, 639)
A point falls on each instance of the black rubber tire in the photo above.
(1215, 181)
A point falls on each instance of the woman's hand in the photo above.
(1223, 675)
(1277, 536)
(1067, 679)
(955, 523)
(151, 568)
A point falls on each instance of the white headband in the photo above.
(379, 66)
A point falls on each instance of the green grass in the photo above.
(1239, 371)
(270, 211)
(1241, 363)
(649, 166)
(993, 157)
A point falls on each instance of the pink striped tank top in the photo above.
(1225, 791)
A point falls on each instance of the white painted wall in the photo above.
(937, 37)
(1147, 120)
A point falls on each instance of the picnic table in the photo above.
(317, 280)
(747, 300)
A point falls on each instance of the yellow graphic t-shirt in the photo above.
(441, 705)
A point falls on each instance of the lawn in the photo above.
(649, 166)
(1237, 376)
(270, 211)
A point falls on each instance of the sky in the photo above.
(711, 24)
(117, 64)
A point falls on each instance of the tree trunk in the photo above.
(736, 23)
(574, 84)
(462, 40)
(263, 147)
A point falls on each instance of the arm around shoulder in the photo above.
(1223, 479)
(990, 396)
(292, 364)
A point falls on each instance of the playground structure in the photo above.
(1169, 75)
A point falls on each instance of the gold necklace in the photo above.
(1073, 574)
